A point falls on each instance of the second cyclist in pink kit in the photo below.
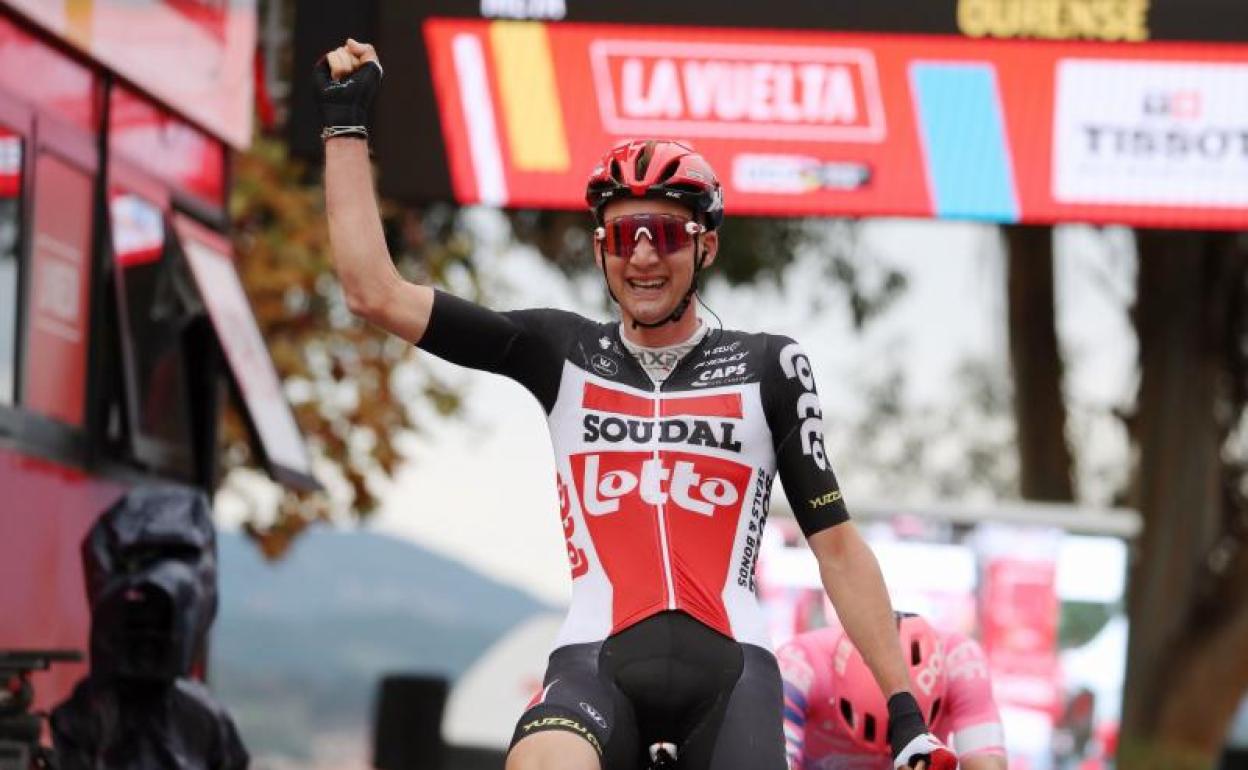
(836, 719)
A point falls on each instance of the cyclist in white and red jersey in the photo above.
(835, 717)
(667, 437)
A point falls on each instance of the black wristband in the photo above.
(905, 721)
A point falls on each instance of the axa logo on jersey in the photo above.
(611, 482)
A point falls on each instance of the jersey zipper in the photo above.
(664, 547)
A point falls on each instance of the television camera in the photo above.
(19, 726)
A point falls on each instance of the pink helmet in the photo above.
(860, 706)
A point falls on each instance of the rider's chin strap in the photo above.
(681, 306)
(602, 262)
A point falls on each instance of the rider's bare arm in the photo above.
(854, 583)
(983, 762)
(848, 568)
(373, 287)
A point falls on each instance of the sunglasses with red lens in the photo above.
(668, 233)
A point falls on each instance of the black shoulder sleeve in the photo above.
(529, 346)
(795, 417)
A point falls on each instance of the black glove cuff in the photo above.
(344, 115)
(905, 721)
(347, 102)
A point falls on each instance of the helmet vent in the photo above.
(643, 159)
(847, 711)
(669, 170)
(916, 653)
(936, 704)
(868, 727)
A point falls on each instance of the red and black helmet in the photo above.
(657, 168)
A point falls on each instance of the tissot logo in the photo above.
(772, 92)
(1151, 132)
(1181, 105)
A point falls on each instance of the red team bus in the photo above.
(123, 323)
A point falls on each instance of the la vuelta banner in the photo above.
(816, 123)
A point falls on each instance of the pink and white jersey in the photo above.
(968, 721)
(663, 488)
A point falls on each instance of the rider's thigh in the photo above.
(746, 730)
(553, 750)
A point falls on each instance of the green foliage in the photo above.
(1159, 755)
(339, 373)
(1080, 622)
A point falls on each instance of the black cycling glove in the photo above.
(909, 737)
(346, 102)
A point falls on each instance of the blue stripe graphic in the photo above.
(968, 161)
(795, 695)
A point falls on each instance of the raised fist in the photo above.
(346, 84)
(349, 57)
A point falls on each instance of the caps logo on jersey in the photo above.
(721, 375)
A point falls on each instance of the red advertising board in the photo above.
(59, 307)
(1018, 620)
(194, 55)
(810, 123)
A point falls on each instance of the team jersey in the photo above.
(663, 489)
(814, 740)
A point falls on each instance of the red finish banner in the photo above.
(818, 123)
(194, 55)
